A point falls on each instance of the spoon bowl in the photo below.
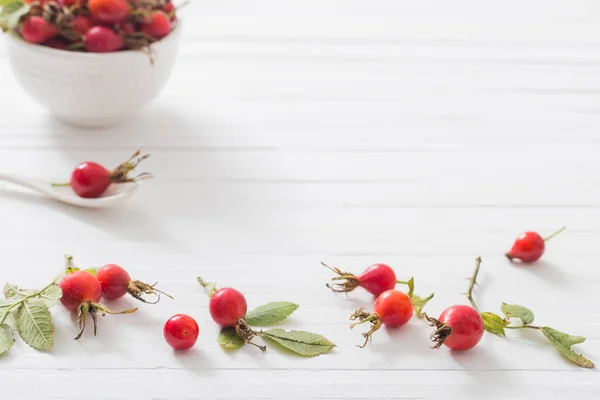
(116, 194)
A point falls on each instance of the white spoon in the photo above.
(115, 195)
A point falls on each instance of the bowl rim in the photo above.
(18, 41)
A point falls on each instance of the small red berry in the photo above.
(227, 306)
(459, 327)
(376, 279)
(169, 9)
(181, 332)
(101, 39)
(158, 25)
(58, 44)
(392, 308)
(529, 246)
(37, 30)
(116, 282)
(67, 3)
(78, 288)
(90, 179)
(109, 11)
(81, 24)
(126, 27)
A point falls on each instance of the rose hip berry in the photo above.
(181, 332)
(158, 25)
(392, 308)
(101, 39)
(116, 282)
(169, 9)
(81, 292)
(109, 11)
(227, 308)
(37, 30)
(81, 24)
(529, 246)
(459, 327)
(376, 279)
(91, 180)
(56, 43)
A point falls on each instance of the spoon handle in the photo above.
(33, 184)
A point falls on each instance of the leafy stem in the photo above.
(539, 328)
(11, 306)
(473, 282)
(210, 286)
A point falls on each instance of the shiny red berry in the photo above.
(90, 180)
(459, 327)
(376, 279)
(109, 11)
(37, 30)
(529, 246)
(158, 25)
(181, 332)
(101, 39)
(113, 280)
(227, 306)
(78, 288)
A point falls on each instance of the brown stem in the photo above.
(138, 288)
(364, 317)
(247, 333)
(93, 309)
(524, 326)
(441, 332)
(348, 284)
(473, 282)
(121, 173)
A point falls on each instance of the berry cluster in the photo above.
(95, 26)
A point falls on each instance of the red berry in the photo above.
(113, 280)
(116, 282)
(459, 327)
(109, 11)
(37, 30)
(78, 288)
(394, 308)
(376, 279)
(67, 3)
(58, 44)
(529, 246)
(89, 179)
(181, 332)
(227, 306)
(81, 24)
(169, 9)
(158, 26)
(101, 39)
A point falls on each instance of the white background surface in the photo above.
(419, 134)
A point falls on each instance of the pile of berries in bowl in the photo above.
(91, 62)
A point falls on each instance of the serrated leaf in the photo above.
(10, 320)
(34, 323)
(229, 339)
(270, 313)
(494, 323)
(7, 339)
(300, 342)
(419, 303)
(51, 295)
(516, 311)
(563, 342)
(11, 13)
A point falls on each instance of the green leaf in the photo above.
(494, 323)
(229, 339)
(563, 342)
(92, 271)
(411, 287)
(13, 292)
(7, 339)
(516, 311)
(50, 295)
(34, 323)
(271, 313)
(10, 320)
(12, 11)
(419, 303)
(303, 343)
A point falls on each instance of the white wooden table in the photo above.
(419, 134)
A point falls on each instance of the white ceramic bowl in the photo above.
(92, 90)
